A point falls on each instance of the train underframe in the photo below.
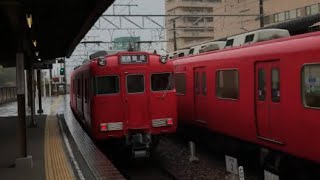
(141, 144)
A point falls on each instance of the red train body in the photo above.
(267, 93)
(129, 95)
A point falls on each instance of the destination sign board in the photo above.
(133, 59)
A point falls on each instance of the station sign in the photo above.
(133, 59)
(42, 65)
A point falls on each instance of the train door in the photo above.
(136, 99)
(200, 90)
(267, 101)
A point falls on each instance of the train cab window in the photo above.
(180, 83)
(161, 82)
(107, 84)
(135, 83)
(311, 85)
(275, 85)
(204, 85)
(227, 84)
(261, 85)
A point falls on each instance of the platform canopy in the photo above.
(55, 27)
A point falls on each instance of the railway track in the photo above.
(137, 169)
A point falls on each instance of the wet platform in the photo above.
(59, 147)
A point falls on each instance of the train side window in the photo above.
(135, 83)
(227, 84)
(311, 85)
(107, 84)
(275, 85)
(180, 83)
(85, 89)
(204, 85)
(161, 82)
(261, 85)
(197, 83)
(78, 86)
(249, 38)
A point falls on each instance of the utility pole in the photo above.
(261, 13)
(174, 36)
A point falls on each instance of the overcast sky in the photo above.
(144, 7)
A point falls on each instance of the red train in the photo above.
(128, 96)
(266, 93)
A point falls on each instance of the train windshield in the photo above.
(135, 83)
(161, 82)
(107, 85)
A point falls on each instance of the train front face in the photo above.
(142, 105)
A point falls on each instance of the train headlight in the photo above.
(164, 59)
(102, 62)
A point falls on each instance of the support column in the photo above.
(29, 87)
(40, 111)
(50, 82)
(65, 77)
(44, 87)
(33, 108)
(21, 125)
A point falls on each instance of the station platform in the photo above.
(57, 146)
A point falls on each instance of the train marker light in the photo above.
(29, 20)
(170, 121)
(103, 127)
(102, 61)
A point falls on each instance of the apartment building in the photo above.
(190, 30)
(275, 11)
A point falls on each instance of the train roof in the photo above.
(113, 59)
(272, 46)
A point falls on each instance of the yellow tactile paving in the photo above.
(56, 162)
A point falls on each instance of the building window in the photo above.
(282, 16)
(311, 85)
(161, 82)
(227, 84)
(276, 18)
(107, 84)
(135, 83)
(287, 15)
(180, 83)
(293, 14)
(298, 12)
(308, 10)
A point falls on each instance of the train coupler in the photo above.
(140, 145)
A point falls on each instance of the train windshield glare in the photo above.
(161, 82)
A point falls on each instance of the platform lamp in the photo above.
(29, 20)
